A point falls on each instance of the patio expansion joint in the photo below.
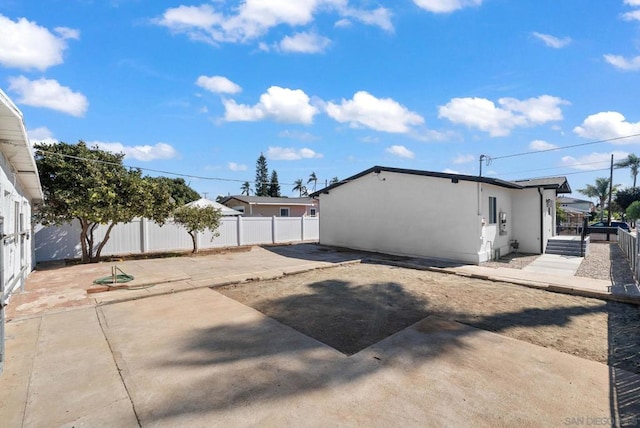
(101, 318)
(33, 362)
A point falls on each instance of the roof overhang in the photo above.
(15, 146)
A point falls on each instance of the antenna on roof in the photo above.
(487, 160)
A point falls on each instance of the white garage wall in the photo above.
(404, 214)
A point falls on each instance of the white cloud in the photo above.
(634, 15)
(304, 43)
(50, 94)
(632, 2)
(279, 104)
(592, 161)
(552, 41)
(483, 114)
(606, 125)
(400, 151)
(218, 85)
(253, 19)
(283, 153)
(450, 171)
(460, 159)
(343, 23)
(236, 166)
(142, 153)
(26, 45)
(541, 145)
(41, 135)
(632, 64)
(380, 17)
(381, 114)
(445, 6)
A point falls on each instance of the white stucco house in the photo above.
(19, 190)
(432, 214)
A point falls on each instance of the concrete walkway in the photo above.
(190, 356)
(555, 264)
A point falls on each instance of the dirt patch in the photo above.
(352, 307)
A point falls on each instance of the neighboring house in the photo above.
(575, 205)
(430, 214)
(19, 190)
(203, 203)
(265, 206)
(576, 210)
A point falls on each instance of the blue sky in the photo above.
(331, 86)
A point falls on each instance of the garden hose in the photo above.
(114, 278)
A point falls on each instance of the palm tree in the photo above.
(334, 180)
(313, 179)
(632, 162)
(246, 188)
(599, 191)
(300, 187)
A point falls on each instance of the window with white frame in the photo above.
(284, 212)
(493, 213)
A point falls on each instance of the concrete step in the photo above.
(563, 252)
(563, 248)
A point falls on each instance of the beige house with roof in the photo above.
(266, 206)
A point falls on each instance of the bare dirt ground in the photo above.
(352, 307)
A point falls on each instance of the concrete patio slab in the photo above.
(199, 358)
(192, 357)
(555, 264)
(68, 376)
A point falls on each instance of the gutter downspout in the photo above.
(541, 221)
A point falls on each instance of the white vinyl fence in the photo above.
(144, 236)
(628, 243)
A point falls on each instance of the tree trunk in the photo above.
(84, 226)
(102, 244)
(194, 240)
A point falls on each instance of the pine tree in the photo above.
(262, 177)
(274, 186)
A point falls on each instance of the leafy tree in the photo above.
(561, 214)
(274, 186)
(246, 188)
(197, 219)
(626, 197)
(313, 179)
(633, 163)
(181, 192)
(94, 187)
(299, 187)
(262, 179)
(334, 180)
(600, 191)
(633, 211)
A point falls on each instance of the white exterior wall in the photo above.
(527, 213)
(526, 224)
(492, 240)
(413, 215)
(16, 248)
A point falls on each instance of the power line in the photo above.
(566, 147)
(177, 174)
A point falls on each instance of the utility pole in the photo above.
(610, 192)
